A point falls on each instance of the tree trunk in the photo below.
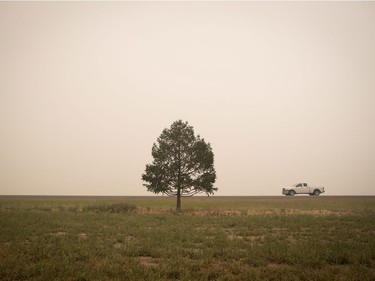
(178, 207)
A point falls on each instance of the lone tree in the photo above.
(183, 164)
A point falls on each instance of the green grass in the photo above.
(216, 238)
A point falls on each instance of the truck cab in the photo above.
(302, 188)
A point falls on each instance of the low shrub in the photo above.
(111, 208)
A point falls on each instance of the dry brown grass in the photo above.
(249, 212)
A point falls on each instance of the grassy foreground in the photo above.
(216, 238)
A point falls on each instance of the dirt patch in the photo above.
(275, 265)
(129, 238)
(231, 235)
(117, 245)
(291, 239)
(148, 261)
(254, 238)
(82, 236)
(59, 233)
(279, 229)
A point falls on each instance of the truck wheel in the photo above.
(292, 192)
(316, 192)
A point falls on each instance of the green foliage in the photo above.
(183, 163)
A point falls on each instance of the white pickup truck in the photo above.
(302, 188)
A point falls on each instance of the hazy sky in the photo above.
(283, 91)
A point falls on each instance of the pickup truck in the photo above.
(302, 188)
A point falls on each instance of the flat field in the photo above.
(215, 238)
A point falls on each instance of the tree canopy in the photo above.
(183, 164)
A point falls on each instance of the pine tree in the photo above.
(183, 164)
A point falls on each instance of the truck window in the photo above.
(299, 185)
(304, 184)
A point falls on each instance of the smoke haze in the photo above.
(283, 91)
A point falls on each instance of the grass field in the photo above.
(215, 238)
